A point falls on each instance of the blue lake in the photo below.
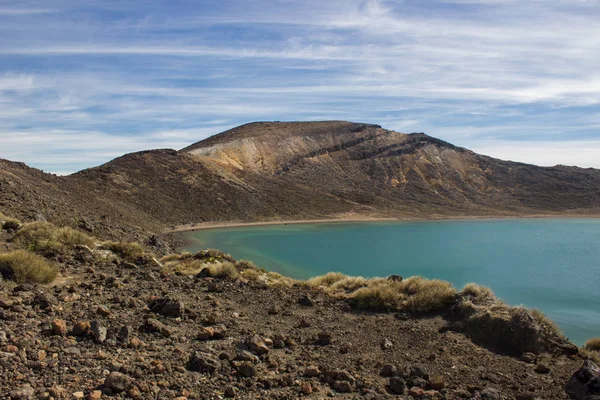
(550, 264)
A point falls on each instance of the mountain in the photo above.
(295, 170)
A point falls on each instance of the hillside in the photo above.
(298, 170)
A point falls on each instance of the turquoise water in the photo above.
(550, 264)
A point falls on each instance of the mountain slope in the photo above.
(296, 170)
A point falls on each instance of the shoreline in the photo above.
(239, 224)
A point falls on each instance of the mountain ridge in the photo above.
(267, 171)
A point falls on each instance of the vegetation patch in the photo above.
(47, 239)
(24, 266)
(478, 294)
(593, 344)
(130, 251)
(9, 223)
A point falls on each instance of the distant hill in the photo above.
(295, 170)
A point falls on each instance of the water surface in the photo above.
(550, 264)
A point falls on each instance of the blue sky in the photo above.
(82, 82)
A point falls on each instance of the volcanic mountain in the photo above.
(295, 170)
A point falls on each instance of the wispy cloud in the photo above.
(86, 81)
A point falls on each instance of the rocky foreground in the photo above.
(116, 326)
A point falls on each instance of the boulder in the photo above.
(200, 361)
(585, 383)
(118, 382)
(167, 307)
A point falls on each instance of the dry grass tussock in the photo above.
(24, 266)
(9, 223)
(219, 265)
(478, 294)
(47, 239)
(593, 344)
(131, 251)
(414, 294)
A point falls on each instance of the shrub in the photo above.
(348, 285)
(223, 269)
(477, 293)
(434, 295)
(379, 295)
(45, 238)
(72, 238)
(24, 266)
(326, 280)
(126, 250)
(277, 280)
(170, 258)
(252, 274)
(9, 223)
(245, 264)
(593, 344)
(547, 326)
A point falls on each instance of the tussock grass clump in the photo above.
(348, 285)
(9, 223)
(24, 266)
(253, 274)
(127, 250)
(212, 255)
(593, 344)
(326, 280)
(277, 280)
(222, 270)
(425, 295)
(547, 326)
(46, 238)
(478, 293)
(379, 295)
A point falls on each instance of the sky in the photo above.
(82, 82)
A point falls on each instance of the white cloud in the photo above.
(468, 69)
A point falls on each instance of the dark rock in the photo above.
(125, 333)
(417, 371)
(45, 301)
(389, 370)
(490, 394)
(397, 385)
(324, 338)
(585, 383)
(256, 345)
(244, 355)
(153, 325)
(306, 301)
(203, 362)
(395, 278)
(418, 382)
(215, 287)
(118, 382)
(99, 332)
(167, 307)
(246, 369)
(230, 391)
(342, 386)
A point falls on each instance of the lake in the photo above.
(550, 264)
